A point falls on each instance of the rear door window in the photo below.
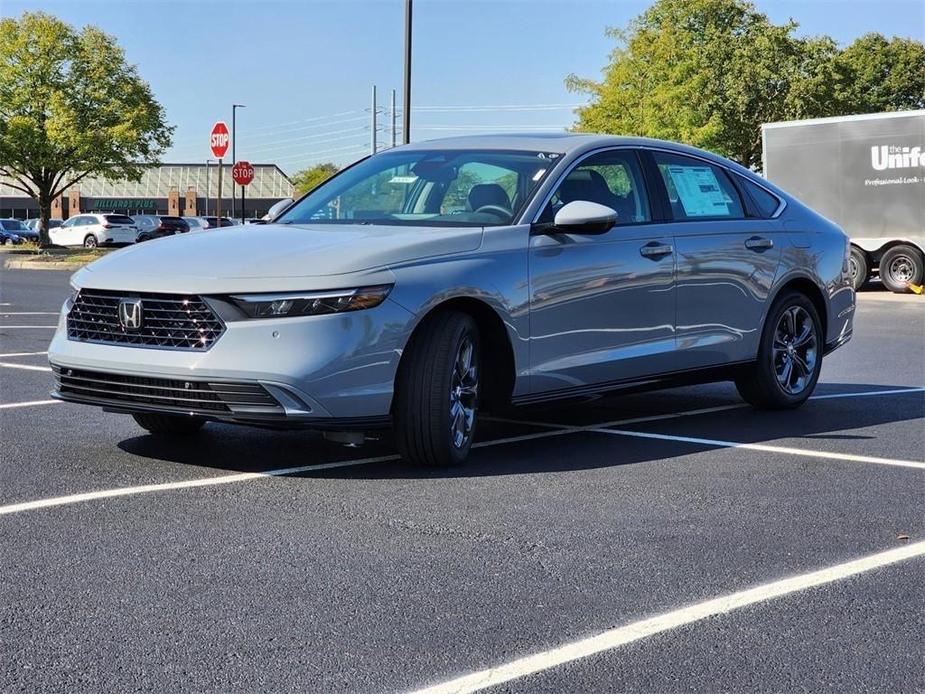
(697, 189)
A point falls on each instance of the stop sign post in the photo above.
(219, 139)
(243, 173)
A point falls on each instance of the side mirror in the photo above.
(277, 208)
(585, 217)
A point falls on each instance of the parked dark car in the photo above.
(152, 226)
(15, 228)
(33, 226)
(213, 222)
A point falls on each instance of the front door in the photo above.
(602, 307)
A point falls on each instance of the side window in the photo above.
(766, 202)
(697, 189)
(610, 178)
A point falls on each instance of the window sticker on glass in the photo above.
(699, 191)
(403, 179)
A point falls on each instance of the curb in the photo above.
(14, 264)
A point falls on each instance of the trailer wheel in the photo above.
(901, 266)
(858, 267)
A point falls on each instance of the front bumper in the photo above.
(328, 372)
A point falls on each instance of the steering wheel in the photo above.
(495, 210)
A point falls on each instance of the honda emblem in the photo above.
(130, 314)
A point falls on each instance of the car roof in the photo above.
(560, 142)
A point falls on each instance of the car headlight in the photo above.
(71, 297)
(293, 304)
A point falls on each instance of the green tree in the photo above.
(312, 177)
(710, 72)
(71, 107)
(883, 75)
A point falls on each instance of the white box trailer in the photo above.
(867, 174)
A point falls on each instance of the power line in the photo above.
(505, 107)
(510, 128)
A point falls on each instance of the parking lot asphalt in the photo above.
(236, 561)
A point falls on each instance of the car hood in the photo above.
(273, 257)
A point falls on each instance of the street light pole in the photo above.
(234, 141)
(406, 112)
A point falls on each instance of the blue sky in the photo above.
(304, 68)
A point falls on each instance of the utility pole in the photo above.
(208, 184)
(234, 141)
(372, 124)
(394, 121)
(406, 109)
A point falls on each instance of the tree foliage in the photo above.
(884, 74)
(710, 72)
(71, 107)
(312, 177)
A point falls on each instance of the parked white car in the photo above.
(92, 230)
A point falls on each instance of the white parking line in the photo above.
(554, 430)
(763, 447)
(27, 367)
(614, 638)
(32, 403)
(28, 327)
(28, 313)
(22, 354)
(185, 484)
(895, 391)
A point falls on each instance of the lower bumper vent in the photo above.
(163, 394)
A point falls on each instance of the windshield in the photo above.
(427, 188)
(13, 225)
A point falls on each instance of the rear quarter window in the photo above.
(766, 202)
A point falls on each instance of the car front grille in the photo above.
(168, 321)
(164, 394)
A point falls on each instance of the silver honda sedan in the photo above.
(425, 285)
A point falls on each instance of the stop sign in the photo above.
(242, 173)
(219, 140)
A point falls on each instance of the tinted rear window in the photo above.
(173, 220)
(118, 219)
(767, 203)
(13, 225)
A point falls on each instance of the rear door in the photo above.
(601, 306)
(726, 261)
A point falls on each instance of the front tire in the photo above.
(901, 266)
(437, 392)
(169, 424)
(789, 356)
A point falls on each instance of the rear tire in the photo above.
(789, 356)
(436, 392)
(169, 424)
(860, 270)
(901, 266)
(90, 241)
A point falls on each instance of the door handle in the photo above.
(756, 243)
(655, 250)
